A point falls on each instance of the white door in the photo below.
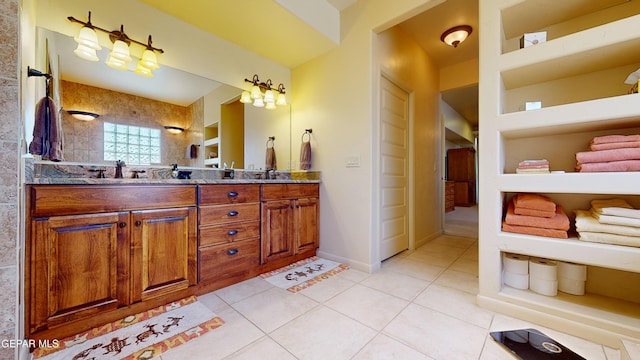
(394, 146)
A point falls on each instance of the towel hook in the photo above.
(307, 132)
(272, 140)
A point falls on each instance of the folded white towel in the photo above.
(586, 222)
(609, 238)
(615, 220)
(615, 207)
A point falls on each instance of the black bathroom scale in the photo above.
(531, 344)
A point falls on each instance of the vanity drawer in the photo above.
(229, 194)
(221, 234)
(222, 261)
(289, 191)
(221, 214)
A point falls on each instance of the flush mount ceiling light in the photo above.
(83, 115)
(263, 94)
(456, 35)
(120, 56)
(174, 129)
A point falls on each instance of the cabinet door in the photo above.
(78, 266)
(306, 230)
(164, 257)
(277, 228)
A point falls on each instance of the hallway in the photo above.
(463, 221)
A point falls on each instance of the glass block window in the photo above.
(134, 145)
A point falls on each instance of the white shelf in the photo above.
(572, 183)
(622, 317)
(618, 257)
(212, 161)
(601, 114)
(211, 142)
(606, 46)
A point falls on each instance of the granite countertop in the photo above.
(48, 172)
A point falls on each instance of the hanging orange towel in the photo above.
(305, 155)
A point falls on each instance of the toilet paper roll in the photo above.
(571, 286)
(543, 286)
(571, 270)
(543, 269)
(516, 264)
(518, 281)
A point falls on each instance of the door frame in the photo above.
(377, 171)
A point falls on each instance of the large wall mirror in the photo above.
(217, 126)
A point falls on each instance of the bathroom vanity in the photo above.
(98, 250)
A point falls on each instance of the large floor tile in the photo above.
(263, 349)
(273, 308)
(323, 334)
(328, 288)
(418, 269)
(459, 280)
(396, 284)
(383, 347)
(242, 290)
(235, 334)
(456, 303)
(369, 306)
(437, 335)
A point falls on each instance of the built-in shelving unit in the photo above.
(578, 74)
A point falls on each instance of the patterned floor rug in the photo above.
(141, 336)
(304, 273)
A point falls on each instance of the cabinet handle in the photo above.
(232, 194)
(232, 232)
(232, 251)
(122, 224)
(232, 213)
(138, 222)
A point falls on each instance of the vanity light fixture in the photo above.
(120, 55)
(263, 94)
(83, 115)
(456, 35)
(174, 129)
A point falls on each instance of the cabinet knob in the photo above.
(232, 194)
(138, 222)
(232, 232)
(232, 251)
(122, 224)
(232, 213)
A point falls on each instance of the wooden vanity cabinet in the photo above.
(96, 253)
(229, 227)
(290, 214)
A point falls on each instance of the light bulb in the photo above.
(258, 102)
(149, 60)
(120, 51)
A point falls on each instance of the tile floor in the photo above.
(421, 305)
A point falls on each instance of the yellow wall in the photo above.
(334, 94)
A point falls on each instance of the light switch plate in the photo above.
(352, 161)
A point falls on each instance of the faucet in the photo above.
(119, 165)
(174, 170)
(270, 174)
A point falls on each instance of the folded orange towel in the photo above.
(559, 222)
(534, 202)
(529, 230)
